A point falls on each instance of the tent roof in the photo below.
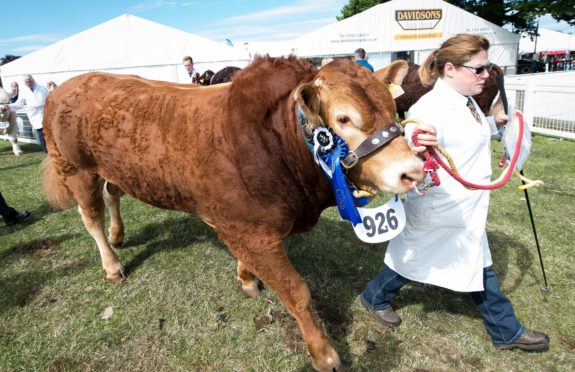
(546, 41)
(124, 41)
(398, 26)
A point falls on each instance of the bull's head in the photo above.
(354, 104)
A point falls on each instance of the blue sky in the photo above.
(31, 25)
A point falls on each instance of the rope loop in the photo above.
(432, 159)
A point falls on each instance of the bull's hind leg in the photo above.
(87, 190)
(271, 264)
(112, 195)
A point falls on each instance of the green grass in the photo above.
(180, 308)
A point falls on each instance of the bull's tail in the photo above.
(57, 193)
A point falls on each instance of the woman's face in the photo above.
(465, 79)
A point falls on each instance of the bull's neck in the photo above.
(303, 166)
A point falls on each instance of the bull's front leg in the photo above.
(270, 263)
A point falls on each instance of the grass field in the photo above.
(180, 308)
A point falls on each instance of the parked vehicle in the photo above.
(529, 66)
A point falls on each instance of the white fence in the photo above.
(547, 101)
(25, 131)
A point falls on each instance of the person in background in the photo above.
(359, 56)
(32, 100)
(14, 92)
(11, 215)
(51, 86)
(444, 242)
(192, 73)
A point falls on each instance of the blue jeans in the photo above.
(41, 141)
(498, 315)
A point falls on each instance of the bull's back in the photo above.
(141, 135)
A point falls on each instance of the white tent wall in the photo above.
(546, 41)
(419, 26)
(129, 45)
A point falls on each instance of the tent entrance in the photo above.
(406, 55)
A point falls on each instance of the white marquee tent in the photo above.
(415, 26)
(546, 41)
(126, 44)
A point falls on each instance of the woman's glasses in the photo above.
(479, 70)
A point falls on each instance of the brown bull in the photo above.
(232, 154)
(414, 89)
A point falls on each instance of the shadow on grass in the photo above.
(175, 233)
(527, 260)
(29, 163)
(19, 289)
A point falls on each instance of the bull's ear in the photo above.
(393, 76)
(308, 103)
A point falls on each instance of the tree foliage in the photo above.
(521, 15)
(8, 58)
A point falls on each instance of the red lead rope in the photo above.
(432, 160)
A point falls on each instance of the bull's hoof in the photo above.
(328, 362)
(117, 277)
(116, 240)
(254, 289)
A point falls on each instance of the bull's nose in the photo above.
(413, 174)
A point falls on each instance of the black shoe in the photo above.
(19, 217)
(386, 316)
(529, 341)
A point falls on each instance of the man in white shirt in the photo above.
(31, 100)
(192, 72)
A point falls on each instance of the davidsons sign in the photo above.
(418, 19)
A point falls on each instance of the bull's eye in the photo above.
(343, 119)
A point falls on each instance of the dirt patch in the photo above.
(567, 342)
(40, 248)
(290, 331)
(63, 363)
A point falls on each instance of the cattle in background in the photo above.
(205, 78)
(414, 89)
(225, 75)
(232, 154)
(8, 123)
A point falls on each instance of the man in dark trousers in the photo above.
(11, 215)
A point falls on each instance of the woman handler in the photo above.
(444, 242)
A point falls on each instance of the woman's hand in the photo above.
(427, 138)
(500, 118)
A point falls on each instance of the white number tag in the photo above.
(4, 124)
(382, 223)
